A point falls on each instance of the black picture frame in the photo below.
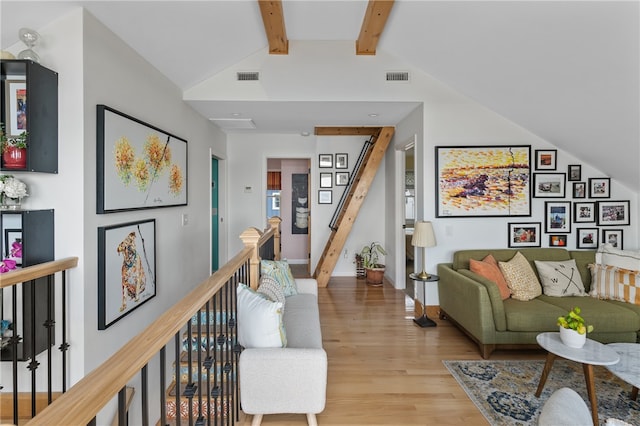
(139, 166)
(549, 185)
(584, 212)
(342, 178)
(574, 172)
(126, 269)
(613, 237)
(325, 196)
(342, 161)
(600, 187)
(326, 180)
(587, 238)
(12, 235)
(527, 234)
(558, 240)
(557, 217)
(546, 159)
(579, 190)
(325, 161)
(613, 213)
(461, 173)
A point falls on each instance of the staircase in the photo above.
(354, 195)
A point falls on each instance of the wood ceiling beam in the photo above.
(347, 131)
(373, 24)
(273, 19)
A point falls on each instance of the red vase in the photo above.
(15, 158)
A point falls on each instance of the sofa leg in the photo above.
(311, 419)
(486, 350)
(257, 419)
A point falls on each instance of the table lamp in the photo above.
(423, 236)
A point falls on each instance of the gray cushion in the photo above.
(302, 322)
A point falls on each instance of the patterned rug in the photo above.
(504, 391)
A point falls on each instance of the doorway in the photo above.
(215, 230)
(288, 183)
(409, 191)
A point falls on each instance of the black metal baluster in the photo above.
(190, 390)
(33, 363)
(199, 366)
(122, 407)
(15, 338)
(49, 323)
(208, 362)
(163, 386)
(144, 378)
(64, 346)
(178, 379)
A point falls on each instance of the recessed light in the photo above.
(236, 114)
(305, 133)
(373, 114)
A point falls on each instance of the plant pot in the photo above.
(375, 275)
(572, 338)
(14, 158)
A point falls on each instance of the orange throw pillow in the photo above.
(488, 268)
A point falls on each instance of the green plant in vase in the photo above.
(574, 321)
(13, 149)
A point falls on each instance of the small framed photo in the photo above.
(326, 180)
(574, 172)
(613, 237)
(549, 185)
(15, 107)
(325, 161)
(579, 190)
(524, 234)
(584, 212)
(13, 245)
(558, 216)
(342, 161)
(342, 178)
(599, 187)
(611, 213)
(546, 159)
(325, 196)
(559, 240)
(587, 238)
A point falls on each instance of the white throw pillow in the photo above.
(259, 320)
(560, 279)
(625, 259)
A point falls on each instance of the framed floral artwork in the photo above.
(139, 166)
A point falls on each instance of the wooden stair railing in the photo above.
(354, 200)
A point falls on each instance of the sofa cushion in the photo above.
(260, 320)
(625, 259)
(531, 315)
(602, 314)
(521, 278)
(609, 282)
(488, 268)
(560, 279)
(302, 322)
(583, 258)
(280, 270)
(461, 257)
(272, 289)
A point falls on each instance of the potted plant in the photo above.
(573, 329)
(374, 270)
(14, 150)
(12, 191)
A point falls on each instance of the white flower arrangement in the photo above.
(12, 187)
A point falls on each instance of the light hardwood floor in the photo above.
(384, 369)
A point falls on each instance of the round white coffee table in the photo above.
(592, 353)
(628, 369)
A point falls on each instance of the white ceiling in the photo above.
(568, 71)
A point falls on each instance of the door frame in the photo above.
(399, 243)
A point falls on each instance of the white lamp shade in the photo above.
(423, 235)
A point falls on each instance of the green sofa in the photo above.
(473, 303)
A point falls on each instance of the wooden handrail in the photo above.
(36, 271)
(80, 404)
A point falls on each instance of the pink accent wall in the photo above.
(294, 246)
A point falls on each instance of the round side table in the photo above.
(423, 320)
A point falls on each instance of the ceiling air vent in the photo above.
(398, 76)
(248, 76)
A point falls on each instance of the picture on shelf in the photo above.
(16, 107)
(13, 245)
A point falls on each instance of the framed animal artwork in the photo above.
(126, 269)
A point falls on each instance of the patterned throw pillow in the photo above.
(520, 278)
(272, 289)
(609, 282)
(259, 320)
(489, 269)
(560, 279)
(280, 271)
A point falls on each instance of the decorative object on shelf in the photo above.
(423, 237)
(7, 265)
(488, 181)
(6, 55)
(12, 191)
(13, 149)
(546, 159)
(13, 245)
(30, 38)
(524, 234)
(549, 185)
(611, 213)
(573, 329)
(374, 270)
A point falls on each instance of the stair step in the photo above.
(221, 404)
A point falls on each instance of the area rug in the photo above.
(504, 391)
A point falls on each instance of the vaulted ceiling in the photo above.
(567, 71)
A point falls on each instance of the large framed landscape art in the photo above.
(485, 181)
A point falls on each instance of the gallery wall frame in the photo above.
(342, 178)
(579, 190)
(549, 185)
(139, 166)
(342, 161)
(587, 238)
(546, 159)
(557, 217)
(326, 180)
(574, 172)
(16, 107)
(600, 187)
(525, 234)
(126, 269)
(612, 213)
(325, 161)
(584, 212)
(557, 240)
(325, 196)
(613, 237)
(483, 181)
